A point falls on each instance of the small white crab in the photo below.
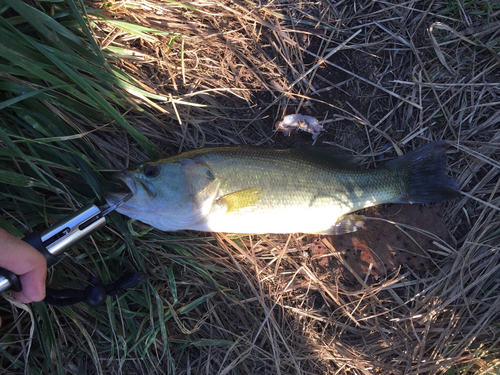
(305, 123)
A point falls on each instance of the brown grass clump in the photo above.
(383, 78)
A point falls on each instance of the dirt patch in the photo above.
(400, 235)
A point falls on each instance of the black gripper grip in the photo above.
(15, 283)
(34, 240)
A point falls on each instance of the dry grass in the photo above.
(405, 73)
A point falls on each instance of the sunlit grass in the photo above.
(56, 88)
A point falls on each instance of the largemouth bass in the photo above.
(247, 189)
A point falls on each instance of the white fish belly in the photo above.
(284, 220)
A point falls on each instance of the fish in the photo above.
(250, 189)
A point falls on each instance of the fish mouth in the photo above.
(123, 184)
(126, 183)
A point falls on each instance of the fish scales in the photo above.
(295, 193)
(245, 189)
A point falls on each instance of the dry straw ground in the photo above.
(384, 77)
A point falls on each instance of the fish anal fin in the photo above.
(240, 199)
(346, 224)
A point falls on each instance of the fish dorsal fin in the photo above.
(333, 156)
(240, 199)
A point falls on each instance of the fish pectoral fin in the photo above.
(240, 199)
(346, 224)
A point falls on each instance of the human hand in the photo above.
(26, 262)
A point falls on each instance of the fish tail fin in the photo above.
(422, 175)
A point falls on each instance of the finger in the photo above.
(26, 262)
(33, 286)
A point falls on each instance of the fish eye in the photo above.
(150, 170)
